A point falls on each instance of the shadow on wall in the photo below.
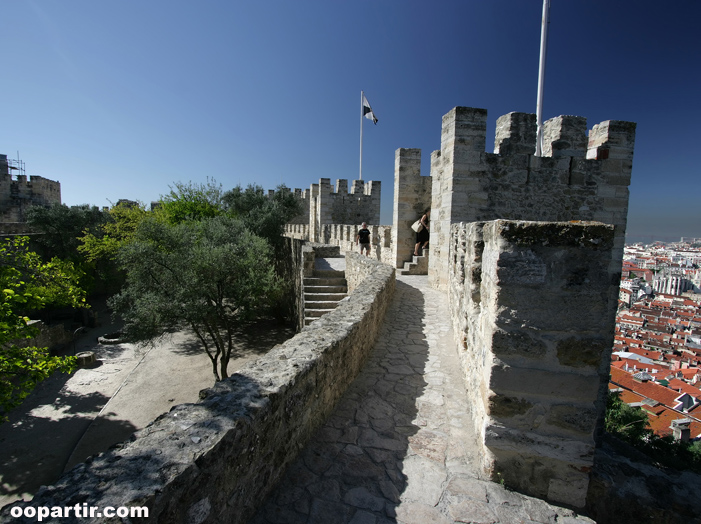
(358, 457)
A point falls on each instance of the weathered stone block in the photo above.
(539, 382)
(582, 352)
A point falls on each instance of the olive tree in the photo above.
(208, 276)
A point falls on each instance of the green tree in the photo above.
(264, 215)
(626, 422)
(192, 201)
(119, 228)
(29, 284)
(62, 226)
(100, 247)
(209, 276)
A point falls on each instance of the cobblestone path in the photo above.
(397, 448)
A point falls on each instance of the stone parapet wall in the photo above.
(533, 308)
(15, 228)
(298, 231)
(216, 460)
(343, 235)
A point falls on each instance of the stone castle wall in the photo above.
(21, 193)
(529, 305)
(324, 204)
(412, 196)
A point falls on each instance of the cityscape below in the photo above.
(656, 356)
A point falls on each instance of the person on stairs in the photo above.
(423, 234)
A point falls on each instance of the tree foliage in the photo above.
(264, 215)
(628, 423)
(208, 275)
(30, 284)
(62, 226)
(192, 201)
(631, 425)
(119, 228)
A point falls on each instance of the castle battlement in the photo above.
(324, 203)
(578, 177)
(18, 192)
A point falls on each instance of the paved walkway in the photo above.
(397, 448)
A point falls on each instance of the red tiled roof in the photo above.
(661, 418)
(680, 385)
(648, 389)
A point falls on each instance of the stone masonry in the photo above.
(19, 194)
(215, 461)
(529, 303)
(412, 196)
(575, 179)
(325, 205)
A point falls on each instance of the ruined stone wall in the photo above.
(575, 179)
(530, 304)
(215, 461)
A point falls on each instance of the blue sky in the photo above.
(119, 99)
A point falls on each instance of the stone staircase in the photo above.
(417, 266)
(322, 293)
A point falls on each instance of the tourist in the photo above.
(363, 238)
(423, 234)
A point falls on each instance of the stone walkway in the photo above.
(397, 448)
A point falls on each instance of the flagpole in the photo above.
(360, 175)
(541, 77)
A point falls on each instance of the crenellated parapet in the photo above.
(19, 192)
(324, 203)
(577, 178)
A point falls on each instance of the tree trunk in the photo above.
(224, 363)
(214, 370)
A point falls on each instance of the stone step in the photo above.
(313, 297)
(418, 265)
(329, 273)
(313, 281)
(315, 312)
(326, 289)
(322, 292)
(325, 304)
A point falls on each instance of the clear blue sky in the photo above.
(119, 99)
